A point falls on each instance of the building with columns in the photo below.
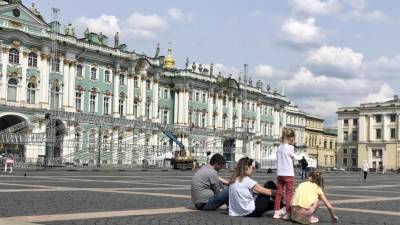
(296, 120)
(320, 142)
(43, 68)
(369, 132)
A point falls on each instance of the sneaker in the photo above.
(286, 216)
(314, 219)
(277, 215)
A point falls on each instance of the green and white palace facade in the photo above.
(43, 68)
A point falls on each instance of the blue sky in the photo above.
(324, 53)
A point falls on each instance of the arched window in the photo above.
(107, 76)
(148, 84)
(136, 82)
(121, 106)
(31, 93)
(78, 101)
(121, 79)
(106, 106)
(135, 109)
(13, 56)
(32, 59)
(93, 73)
(12, 90)
(79, 70)
(55, 95)
(55, 65)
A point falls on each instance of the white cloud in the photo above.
(321, 107)
(136, 27)
(316, 7)
(147, 22)
(264, 71)
(257, 14)
(373, 16)
(385, 93)
(306, 84)
(336, 61)
(179, 15)
(301, 32)
(358, 5)
(107, 24)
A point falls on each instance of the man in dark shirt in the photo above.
(304, 165)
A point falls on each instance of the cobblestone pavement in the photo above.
(60, 197)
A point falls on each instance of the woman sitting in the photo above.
(242, 189)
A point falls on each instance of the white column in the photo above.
(67, 88)
(398, 127)
(371, 136)
(143, 77)
(44, 82)
(181, 107)
(3, 81)
(230, 113)
(186, 106)
(129, 99)
(258, 118)
(23, 84)
(385, 133)
(210, 110)
(155, 100)
(176, 108)
(239, 113)
(116, 91)
(220, 111)
(362, 129)
(71, 97)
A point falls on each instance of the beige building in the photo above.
(369, 132)
(320, 142)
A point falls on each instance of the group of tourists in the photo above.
(245, 197)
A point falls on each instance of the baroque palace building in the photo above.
(369, 132)
(84, 101)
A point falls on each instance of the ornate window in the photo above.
(78, 101)
(13, 56)
(55, 65)
(32, 59)
(135, 82)
(135, 109)
(204, 98)
(12, 90)
(107, 76)
(121, 107)
(165, 119)
(92, 103)
(165, 93)
(121, 79)
(31, 93)
(197, 96)
(106, 105)
(93, 73)
(148, 83)
(190, 96)
(147, 110)
(55, 95)
(79, 71)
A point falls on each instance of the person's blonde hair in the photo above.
(287, 133)
(240, 169)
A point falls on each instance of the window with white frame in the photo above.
(107, 76)
(122, 79)
(135, 82)
(13, 56)
(12, 90)
(55, 65)
(92, 105)
(55, 95)
(31, 93)
(204, 98)
(106, 105)
(165, 117)
(79, 70)
(166, 94)
(93, 73)
(197, 96)
(148, 84)
(78, 101)
(147, 110)
(121, 107)
(32, 59)
(135, 109)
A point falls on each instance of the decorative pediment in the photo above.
(20, 16)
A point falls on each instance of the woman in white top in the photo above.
(242, 189)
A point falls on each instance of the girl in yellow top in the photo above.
(306, 198)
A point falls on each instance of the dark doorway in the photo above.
(229, 150)
(55, 137)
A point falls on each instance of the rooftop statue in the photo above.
(200, 68)
(116, 40)
(194, 67)
(157, 50)
(259, 84)
(101, 38)
(268, 87)
(187, 63)
(87, 34)
(34, 9)
(250, 81)
(69, 30)
(211, 68)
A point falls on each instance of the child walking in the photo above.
(285, 172)
(306, 198)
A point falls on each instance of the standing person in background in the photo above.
(285, 172)
(9, 162)
(304, 165)
(365, 168)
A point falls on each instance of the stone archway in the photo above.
(6, 121)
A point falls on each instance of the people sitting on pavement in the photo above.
(306, 198)
(242, 189)
(206, 189)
